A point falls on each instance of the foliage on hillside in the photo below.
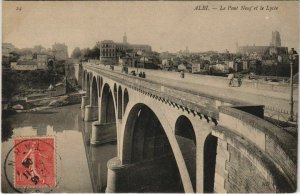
(14, 82)
(86, 53)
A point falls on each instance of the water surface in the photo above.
(65, 125)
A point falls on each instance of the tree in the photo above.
(38, 49)
(76, 54)
(94, 53)
(85, 53)
(9, 84)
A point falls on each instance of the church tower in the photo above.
(125, 38)
(276, 40)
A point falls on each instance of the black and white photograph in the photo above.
(149, 96)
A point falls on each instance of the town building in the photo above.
(108, 51)
(25, 65)
(42, 62)
(245, 65)
(222, 68)
(166, 63)
(139, 47)
(236, 65)
(197, 67)
(111, 51)
(130, 59)
(148, 61)
(26, 57)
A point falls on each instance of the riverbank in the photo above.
(47, 103)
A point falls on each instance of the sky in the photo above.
(165, 25)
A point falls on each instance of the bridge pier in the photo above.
(84, 101)
(116, 173)
(103, 133)
(154, 175)
(91, 113)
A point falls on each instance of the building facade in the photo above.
(108, 51)
(24, 65)
(43, 61)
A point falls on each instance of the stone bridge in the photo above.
(170, 139)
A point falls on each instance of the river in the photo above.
(74, 155)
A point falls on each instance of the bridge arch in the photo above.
(94, 97)
(107, 106)
(115, 93)
(120, 104)
(186, 138)
(80, 79)
(209, 160)
(126, 99)
(147, 135)
(100, 85)
(88, 87)
(84, 80)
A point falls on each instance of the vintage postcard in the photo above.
(149, 96)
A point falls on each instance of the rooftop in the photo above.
(26, 62)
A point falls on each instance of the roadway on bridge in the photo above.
(219, 88)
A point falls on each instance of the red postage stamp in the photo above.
(34, 162)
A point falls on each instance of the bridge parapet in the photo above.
(270, 149)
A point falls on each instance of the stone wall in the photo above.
(253, 155)
(243, 175)
(103, 133)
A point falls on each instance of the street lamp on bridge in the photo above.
(292, 58)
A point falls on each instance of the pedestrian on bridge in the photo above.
(182, 74)
(140, 74)
(231, 77)
(240, 80)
